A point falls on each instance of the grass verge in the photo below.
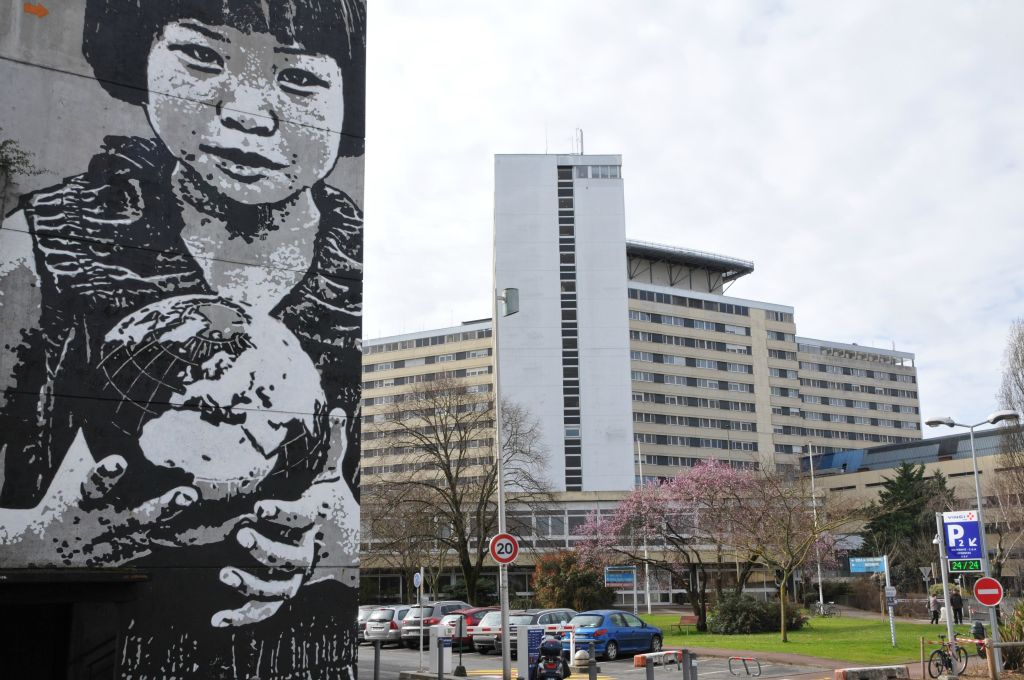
(862, 641)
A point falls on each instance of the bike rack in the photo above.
(746, 667)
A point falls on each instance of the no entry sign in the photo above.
(988, 591)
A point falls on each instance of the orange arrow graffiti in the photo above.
(36, 9)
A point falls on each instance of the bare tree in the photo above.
(1011, 396)
(399, 536)
(442, 433)
(774, 521)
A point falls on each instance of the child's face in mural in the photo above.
(258, 120)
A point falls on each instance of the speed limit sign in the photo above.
(504, 548)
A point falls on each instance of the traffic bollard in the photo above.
(376, 660)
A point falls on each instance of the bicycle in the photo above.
(826, 609)
(941, 661)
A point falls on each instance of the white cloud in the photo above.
(868, 156)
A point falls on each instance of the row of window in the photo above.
(426, 377)
(695, 402)
(426, 361)
(790, 392)
(859, 354)
(695, 343)
(598, 172)
(857, 372)
(853, 387)
(861, 420)
(693, 303)
(854, 436)
(704, 383)
(783, 373)
(781, 354)
(572, 442)
(398, 398)
(698, 324)
(783, 317)
(421, 465)
(858, 403)
(693, 442)
(689, 421)
(686, 461)
(781, 337)
(427, 342)
(692, 362)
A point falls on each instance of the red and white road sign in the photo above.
(504, 548)
(988, 591)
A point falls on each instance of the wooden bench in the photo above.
(685, 622)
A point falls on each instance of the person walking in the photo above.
(957, 603)
(934, 606)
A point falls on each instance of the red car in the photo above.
(472, 616)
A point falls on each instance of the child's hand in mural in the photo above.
(323, 528)
(83, 529)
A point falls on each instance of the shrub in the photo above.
(743, 614)
(834, 591)
(1012, 630)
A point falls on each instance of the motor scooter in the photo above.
(550, 664)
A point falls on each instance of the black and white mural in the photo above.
(180, 338)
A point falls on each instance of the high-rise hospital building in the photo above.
(630, 354)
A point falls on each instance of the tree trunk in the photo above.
(745, 571)
(698, 598)
(782, 606)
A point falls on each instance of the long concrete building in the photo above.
(632, 357)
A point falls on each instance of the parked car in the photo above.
(385, 624)
(364, 613)
(421, 617)
(488, 639)
(613, 632)
(472, 616)
(539, 617)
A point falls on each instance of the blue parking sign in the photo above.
(962, 535)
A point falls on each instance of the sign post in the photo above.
(940, 539)
(890, 599)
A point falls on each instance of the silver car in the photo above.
(421, 617)
(385, 624)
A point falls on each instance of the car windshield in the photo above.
(382, 615)
(419, 612)
(587, 620)
(491, 619)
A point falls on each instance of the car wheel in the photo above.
(410, 644)
(483, 650)
(656, 643)
(611, 650)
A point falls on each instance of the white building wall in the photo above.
(530, 342)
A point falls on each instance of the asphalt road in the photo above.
(484, 667)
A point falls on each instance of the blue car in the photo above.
(613, 632)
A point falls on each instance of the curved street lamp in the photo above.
(994, 418)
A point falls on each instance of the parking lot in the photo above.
(394, 661)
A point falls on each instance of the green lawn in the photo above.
(863, 641)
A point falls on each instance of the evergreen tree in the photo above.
(903, 521)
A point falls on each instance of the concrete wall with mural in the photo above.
(180, 323)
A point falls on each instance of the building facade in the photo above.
(631, 356)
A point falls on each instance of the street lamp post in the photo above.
(997, 417)
(817, 546)
(647, 564)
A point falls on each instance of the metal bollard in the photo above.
(376, 660)
(440, 658)
(687, 670)
(649, 669)
(693, 667)
(592, 665)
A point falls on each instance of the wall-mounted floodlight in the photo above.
(510, 296)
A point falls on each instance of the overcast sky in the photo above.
(867, 156)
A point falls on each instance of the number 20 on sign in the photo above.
(504, 548)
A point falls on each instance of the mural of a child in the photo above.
(180, 359)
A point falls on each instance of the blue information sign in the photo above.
(619, 577)
(962, 535)
(860, 565)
